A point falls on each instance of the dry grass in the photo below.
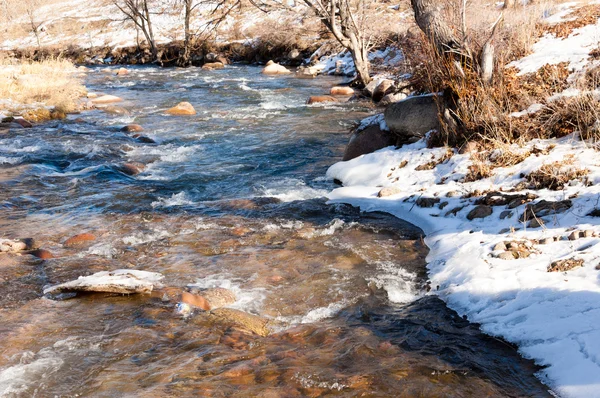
(51, 83)
(586, 15)
(556, 175)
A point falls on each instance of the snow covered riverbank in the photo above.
(553, 317)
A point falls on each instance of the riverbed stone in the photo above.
(213, 65)
(79, 240)
(122, 72)
(412, 118)
(342, 90)
(219, 297)
(114, 110)
(133, 168)
(315, 99)
(480, 211)
(181, 109)
(241, 320)
(106, 99)
(273, 68)
(24, 123)
(132, 128)
(42, 254)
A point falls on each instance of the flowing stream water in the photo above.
(231, 197)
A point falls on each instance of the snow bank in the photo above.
(553, 317)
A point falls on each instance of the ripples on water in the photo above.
(229, 199)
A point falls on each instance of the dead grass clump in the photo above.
(565, 265)
(431, 165)
(556, 175)
(580, 17)
(50, 82)
(570, 114)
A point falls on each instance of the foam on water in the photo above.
(291, 189)
(177, 199)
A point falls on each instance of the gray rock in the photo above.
(506, 256)
(368, 140)
(391, 98)
(412, 118)
(506, 214)
(480, 211)
(427, 202)
(383, 88)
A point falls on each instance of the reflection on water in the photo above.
(228, 199)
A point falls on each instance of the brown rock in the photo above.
(122, 72)
(42, 253)
(114, 110)
(195, 300)
(574, 235)
(565, 265)
(132, 128)
(133, 168)
(219, 297)
(79, 240)
(389, 191)
(588, 233)
(273, 68)
(24, 123)
(213, 65)
(480, 211)
(546, 241)
(242, 320)
(182, 108)
(536, 223)
(106, 99)
(339, 90)
(321, 98)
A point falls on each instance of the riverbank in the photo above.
(516, 252)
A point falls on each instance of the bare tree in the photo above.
(339, 16)
(31, 7)
(138, 11)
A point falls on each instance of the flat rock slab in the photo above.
(123, 281)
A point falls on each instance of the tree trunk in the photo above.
(150, 33)
(430, 21)
(184, 59)
(361, 62)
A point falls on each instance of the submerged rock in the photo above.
(119, 281)
(132, 128)
(321, 98)
(241, 320)
(106, 99)
(182, 108)
(133, 168)
(79, 240)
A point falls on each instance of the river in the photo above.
(232, 197)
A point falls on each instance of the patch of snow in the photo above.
(553, 317)
(551, 50)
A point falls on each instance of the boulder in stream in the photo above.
(123, 281)
(182, 108)
(273, 68)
